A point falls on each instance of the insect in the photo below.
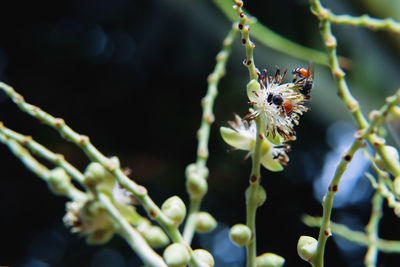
(303, 73)
(275, 99)
(306, 79)
(286, 105)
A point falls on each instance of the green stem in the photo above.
(372, 230)
(204, 131)
(191, 221)
(331, 44)
(23, 154)
(38, 149)
(273, 40)
(244, 29)
(382, 187)
(251, 195)
(387, 24)
(343, 89)
(131, 235)
(325, 231)
(7, 137)
(357, 237)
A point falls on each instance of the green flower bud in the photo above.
(240, 234)
(193, 168)
(261, 195)
(269, 260)
(175, 209)
(99, 237)
(95, 174)
(393, 116)
(156, 237)
(253, 87)
(59, 181)
(196, 185)
(143, 225)
(205, 222)
(204, 257)
(392, 154)
(176, 255)
(307, 248)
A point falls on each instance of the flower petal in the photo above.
(253, 91)
(270, 163)
(234, 139)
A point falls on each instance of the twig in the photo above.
(255, 175)
(199, 168)
(357, 237)
(35, 147)
(387, 24)
(36, 167)
(372, 230)
(131, 235)
(273, 40)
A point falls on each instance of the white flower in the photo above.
(243, 136)
(89, 219)
(279, 105)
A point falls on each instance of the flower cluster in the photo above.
(279, 107)
(89, 218)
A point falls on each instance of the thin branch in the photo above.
(131, 235)
(366, 21)
(357, 237)
(273, 40)
(199, 168)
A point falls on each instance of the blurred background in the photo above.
(130, 74)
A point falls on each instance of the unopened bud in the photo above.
(205, 222)
(307, 248)
(253, 89)
(393, 115)
(95, 174)
(176, 255)
(143, 225)
(156, 237)
(373, 115)
(261, 195)
(59, 181)
(269, 260)
(240, 234)
(196, 185)
(193, 168)
(204, 257)
(175, 209)
(393, 155)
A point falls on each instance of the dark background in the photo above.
(131, 74)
